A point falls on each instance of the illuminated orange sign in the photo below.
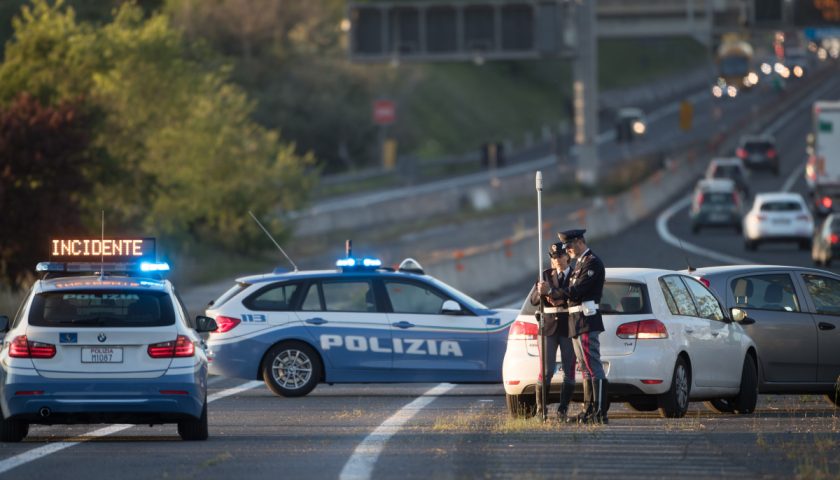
(113, 249)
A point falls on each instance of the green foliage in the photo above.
(178, 153)
(44, 152)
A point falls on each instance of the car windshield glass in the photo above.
(727, 171)
(718, 198)
(758, 146)
(102, 308)
(781, 207)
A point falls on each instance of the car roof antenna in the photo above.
(688, 264)
(273, 240)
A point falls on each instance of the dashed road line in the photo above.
(50, 448)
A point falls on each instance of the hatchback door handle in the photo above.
(715, 334)
(316, 321)
(826, 326)
(403, 324)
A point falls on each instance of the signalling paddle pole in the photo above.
(543, 377)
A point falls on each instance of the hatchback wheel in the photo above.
(674, 402)
(291, 369)
(521, 406)
(748, 394)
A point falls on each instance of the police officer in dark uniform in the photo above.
(586, 283)
(556, 325)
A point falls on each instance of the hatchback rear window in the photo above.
(727, 171)
(758, 146)
(618, 298)
(718, 198)
(99, 308)
(781, 207)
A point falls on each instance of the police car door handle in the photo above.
(689, 331)
(826, 326)
(403, 324)
(316, 321)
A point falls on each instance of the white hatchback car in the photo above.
(778, 217)
(667, 341)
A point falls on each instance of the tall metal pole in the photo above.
(585, 93)
(543, 407)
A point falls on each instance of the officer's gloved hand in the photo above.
(542, 288)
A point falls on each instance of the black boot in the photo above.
(565, 399)
(588, 405)
(602, 402)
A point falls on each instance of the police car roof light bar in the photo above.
(365, 263)
(50, 267)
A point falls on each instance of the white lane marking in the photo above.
(50, 448)
(360, 465)
(668, 237)
(214, 379)
(794, 176)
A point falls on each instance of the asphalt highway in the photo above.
(443, 431)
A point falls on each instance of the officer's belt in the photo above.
(579, 308)
(555, 310)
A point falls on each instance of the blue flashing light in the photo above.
(371, 262)
(50, 267)
(154, 267)
(358, 263)
(346, 263)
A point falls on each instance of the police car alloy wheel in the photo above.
(291, 369)
(13, 430)
(674, 402)
(195, 429)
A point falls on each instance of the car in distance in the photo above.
(667, 341)
(826, 244)
(792, 315)
(778, 217)
(102, 343)
(630, 123)
(358, 323)
(759, 153)
(716, 203)
(732, 168)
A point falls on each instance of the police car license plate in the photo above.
(102, 354)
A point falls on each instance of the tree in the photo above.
(43, 159)
(180, 156)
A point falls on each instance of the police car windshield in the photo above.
(459, 296)
(102, 308)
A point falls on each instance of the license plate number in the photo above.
(718, 217)
(102, 354)
(781, 222)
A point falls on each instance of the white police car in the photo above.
(667, 341)
(101, 343)
(358, 323)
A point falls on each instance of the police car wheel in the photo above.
(521, 406)
(13, 430)
(748, 395)
(674, 402)
(291, 369)
(643, 404)
(195, 429)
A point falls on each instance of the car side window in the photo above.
(348, 296)
(825, 291)
(707, 305)
(276, 298)
(682, 299)
(413, 298)
(312, 300)
(765, 292)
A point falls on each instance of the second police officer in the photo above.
(586, 284)
(556, 329)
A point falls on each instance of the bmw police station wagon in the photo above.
(99, 342)
(359, 323)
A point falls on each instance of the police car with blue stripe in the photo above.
(358, 323)
(103, 342)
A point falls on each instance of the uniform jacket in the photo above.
(586, 282)
(555, 323)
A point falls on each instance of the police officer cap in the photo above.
(557, 249)
(570, 235)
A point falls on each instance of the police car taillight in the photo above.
(225, 324)
(641, 330)
(520, 330)
(21, 347)
(180, 347)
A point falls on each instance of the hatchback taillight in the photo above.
(523, 331)
(180, 347)
(827, 202)
(834, 238)
(642, 329)
(771, 153)
(225, 324)
(741, 153)
(21, 347)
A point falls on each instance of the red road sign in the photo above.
(384, 112)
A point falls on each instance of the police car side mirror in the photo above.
(4, 323)
(451, 307)
(205, 324)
